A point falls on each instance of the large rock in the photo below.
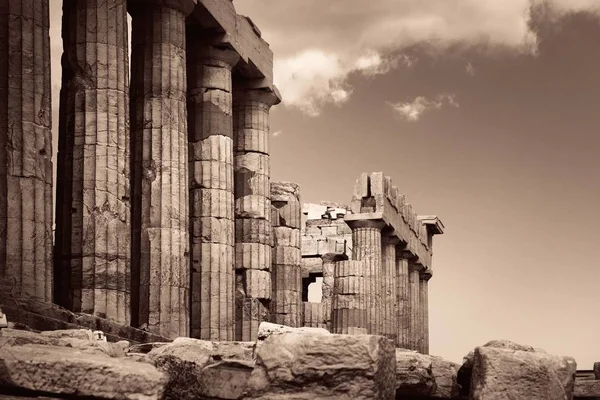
(414, 375)
(465, 371)
(304, 366)
(597, 370)
(199, 369)
(503, 373)
(445, 375)
(588, 390)
(67, 372)
(419, 375)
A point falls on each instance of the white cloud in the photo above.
(412, 111)
(319, 44)
(470, 69)
(277, 133)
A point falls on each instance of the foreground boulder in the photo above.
(587, 390)
(466, 370)
(424, 376)
(503, 373)
(304, 366)
(67, 371)
(199, 369)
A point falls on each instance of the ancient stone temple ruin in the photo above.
(166, 218)
(177, 268)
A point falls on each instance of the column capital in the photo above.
(425, 275)
(365, 223)
(416, 267)
(330, 258)
(390, 240)
(185, 6)
(243, 93)
(212, 53)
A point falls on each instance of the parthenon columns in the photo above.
(349, 313)
(389, 288)
(211, 187)
(25, 148)
(366, 239)
(403, 296)
(424, 293)
(92, 246)
(416, 311)
(159, 148)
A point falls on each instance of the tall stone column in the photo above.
(25, 148)
(423, 286)
(329, 261)
(93, 236)
(415, 306)
(211, 188)
(349, 307)
(253, 230)
(403, 296)
(366, 241)
(159, 146)
(286, 305)
(389, 288)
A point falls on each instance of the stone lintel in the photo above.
(243, 36)
(185, 6)
(433, 224)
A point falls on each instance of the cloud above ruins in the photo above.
(320, 45)
(413, 110)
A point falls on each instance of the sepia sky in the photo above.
(485, 113)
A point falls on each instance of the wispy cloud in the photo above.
(470, 69)
(277, 133)
(413, 110)
(319, 45)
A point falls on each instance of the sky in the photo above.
(482, 112)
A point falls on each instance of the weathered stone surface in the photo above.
(414, 375)
(424, 314)
(80, 339)
(403, 293)
(26, 148)
(415, 337)
(389, 317)
(587, 389)
(93, 224)
(308, 366)
(267, 329)
(160, 181)
(212, 188)
(503, 373)
(67, 371)
(201, 369)
(597, 370)
(349, 309)
(465, 371)
(445, 375)
(366, 239)
(314, 315)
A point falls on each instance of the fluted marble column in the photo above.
(286, 304)
(389, 288)
(211, 188)
(349, 307)
(25, 148)
(424, 292)
(366, 241)
(403, 296)
(329, 261)
(253, 229)
(159, 146)
(93, 235)
(415, 306)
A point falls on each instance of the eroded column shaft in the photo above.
(423, 286)
(159, 146)
(314, 315)
(25, 148)
(415, 307)
(286, 304)
(403, 296)
(349, 306)
(211, 189)
(327, 288)
(253, 230)
(389, 289)
(93, 234)
(366, 239)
